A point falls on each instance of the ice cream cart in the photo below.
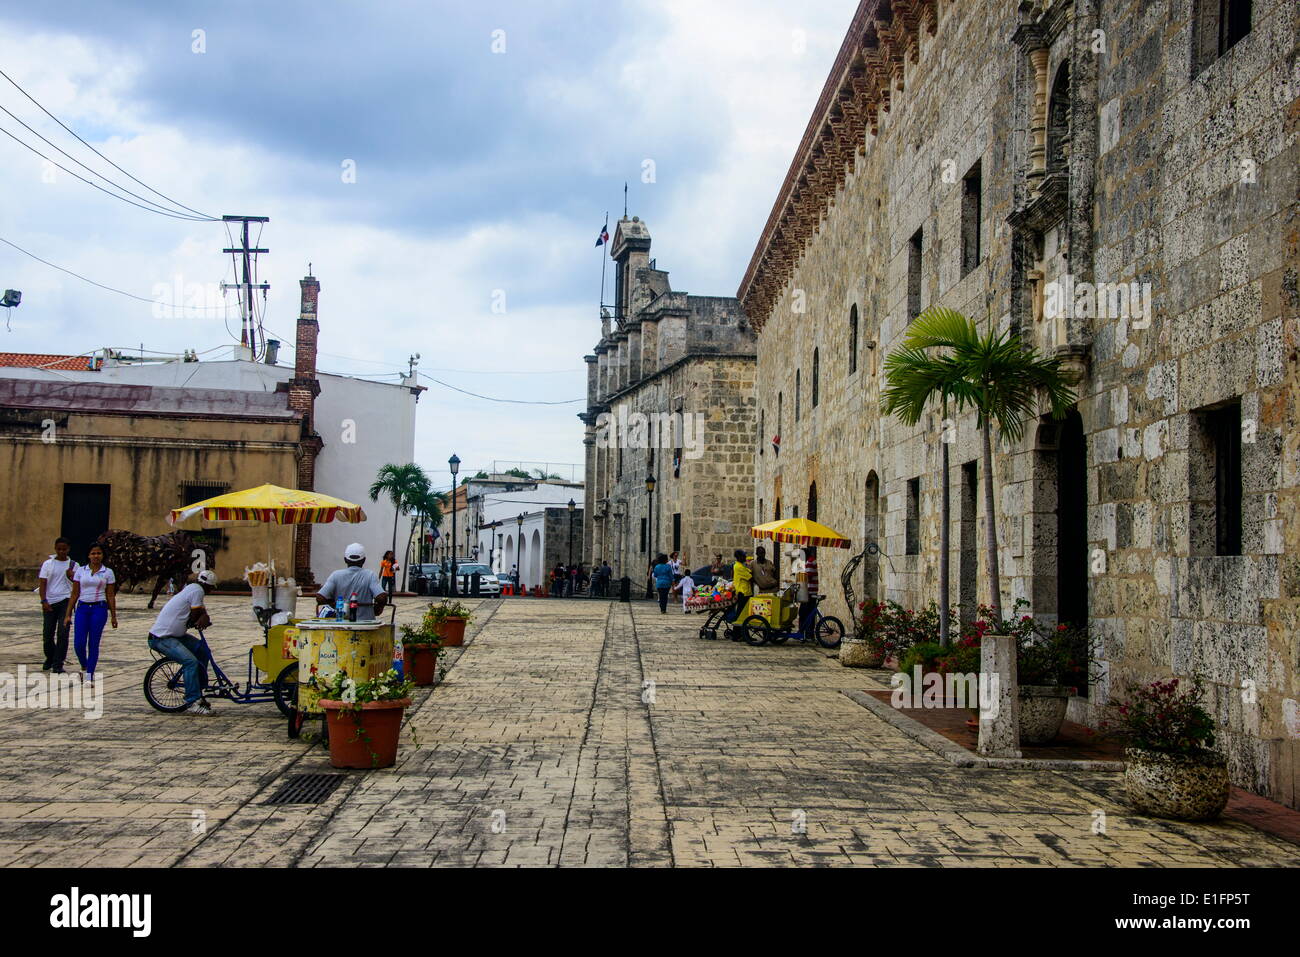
(326, 646)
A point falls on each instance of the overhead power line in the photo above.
(16, 86)
(488, 398)
(120, 292)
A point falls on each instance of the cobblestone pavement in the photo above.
(565, 733)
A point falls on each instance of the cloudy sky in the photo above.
(488, 141)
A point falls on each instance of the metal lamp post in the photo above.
(649, 529)
(454, 464)
(519, 555)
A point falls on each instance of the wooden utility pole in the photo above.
(248, 327)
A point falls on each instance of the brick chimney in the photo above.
(303, 389)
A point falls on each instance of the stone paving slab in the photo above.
(566, 733)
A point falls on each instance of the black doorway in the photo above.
(85, 516)
(1072, 523)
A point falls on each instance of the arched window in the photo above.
(853, 339)
(796, 394)
(1058, 120)
(816, 375)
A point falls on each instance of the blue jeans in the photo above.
(88, 620)
(193, 656)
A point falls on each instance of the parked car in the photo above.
(427, 579)
(488, 583)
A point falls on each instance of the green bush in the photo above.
(925, 653)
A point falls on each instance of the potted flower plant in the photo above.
(865, 648)
(448, 618)
(1171, 769)
(364, 718)
(420, 650)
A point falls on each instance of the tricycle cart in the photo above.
(326, 646)
(164, 686)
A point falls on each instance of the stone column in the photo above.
(1000, 713)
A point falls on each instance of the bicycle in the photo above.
(164, 684)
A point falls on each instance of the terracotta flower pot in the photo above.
(1183, 787)
(365, 738)
(452, 631)
(420, 662)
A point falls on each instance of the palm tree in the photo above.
(915, 379)
(1001, 378)
(405, 485)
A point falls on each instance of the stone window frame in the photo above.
(1212, 36)
(972, 218)
(1215, 480)
(912, 517)
(816, 376)
(915, 273)
(798, 375)
(853, 339)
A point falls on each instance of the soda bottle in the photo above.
(352, 607)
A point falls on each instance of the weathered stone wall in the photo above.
(1189, 184)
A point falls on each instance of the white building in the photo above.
(530, 528)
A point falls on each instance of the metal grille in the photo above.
(306, 789)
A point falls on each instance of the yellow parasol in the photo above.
(800, 531)
(268, 504)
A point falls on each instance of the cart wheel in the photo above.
(296, 720)
(778, 637)
(164, 686)
(285, 689)
(830, 632)
(755, 630)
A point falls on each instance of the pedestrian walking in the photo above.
(663, 577)
(55, 586)
(388, 573)
(686, 587)
(92, 603)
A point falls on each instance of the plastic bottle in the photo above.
(339, 605)
(352, 607)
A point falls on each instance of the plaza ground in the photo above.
(566, 732)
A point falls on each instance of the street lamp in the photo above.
(454, 464)
(572, 577)
(649, 529)
(519, 555)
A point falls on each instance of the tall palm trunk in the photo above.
(991, 538)
(944, 512)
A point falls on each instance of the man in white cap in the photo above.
(168, 638)
(357, 580)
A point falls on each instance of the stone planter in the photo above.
(1042, 712)
(1183, 787)
(856, 653)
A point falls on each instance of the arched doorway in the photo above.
(536, 548)
(1072, 522)
(524, 578)
(871, 533)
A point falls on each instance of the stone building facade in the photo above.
(670, 396)
(1116, 182)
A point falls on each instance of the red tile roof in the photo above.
(33, 360)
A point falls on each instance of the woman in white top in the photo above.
(94, 598)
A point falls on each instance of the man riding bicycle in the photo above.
(168, 637)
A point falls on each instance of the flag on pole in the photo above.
(604, 235)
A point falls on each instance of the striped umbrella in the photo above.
(800, 531)
(268, 505)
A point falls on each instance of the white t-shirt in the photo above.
(57, 584)
(94, 585)
(171, 620)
